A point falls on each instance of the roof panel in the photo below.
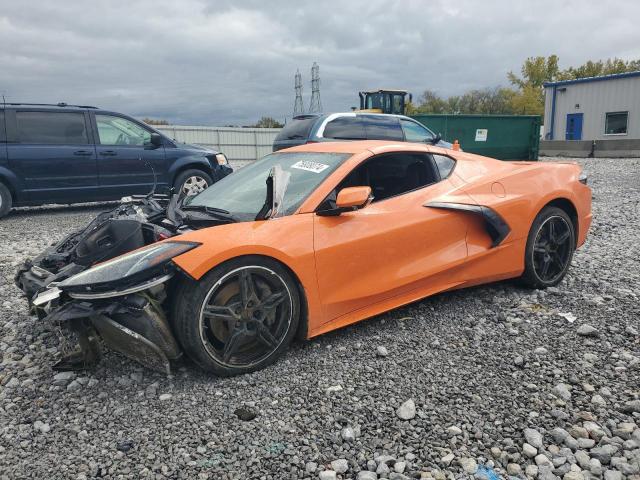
(592, 79)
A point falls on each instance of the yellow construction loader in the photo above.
(384, 101)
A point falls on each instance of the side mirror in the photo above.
(348, 200)
(156, 139)
(353, 198)
(436, 139)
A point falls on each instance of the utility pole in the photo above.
(298, 106)
(315, 105)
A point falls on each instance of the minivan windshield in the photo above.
(243, 193)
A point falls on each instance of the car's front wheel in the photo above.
(550, 246)
(192, 182)
(238, 318)
(5, 200)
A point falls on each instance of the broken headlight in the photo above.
(134, 271)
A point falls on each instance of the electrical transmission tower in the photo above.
(298, 107)
(316, 105)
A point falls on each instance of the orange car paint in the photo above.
(353, 197)
(397, 251)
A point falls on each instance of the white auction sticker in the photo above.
(310, 166)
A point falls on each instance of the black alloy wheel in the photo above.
(550, 248)
(246, 314)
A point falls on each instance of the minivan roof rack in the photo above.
(59, 104)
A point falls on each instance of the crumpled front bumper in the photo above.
(33, 278)
(134, 325)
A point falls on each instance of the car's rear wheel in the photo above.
(192, 182)
(550, 248)
(238, 318)
(5, 200)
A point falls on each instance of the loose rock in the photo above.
(587, 331)
(407, 410)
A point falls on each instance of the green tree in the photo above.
(487, 101)
(268, 122)
(528, 96)
(431, 102)
(536, 71)
(600, 67)
(529, 100)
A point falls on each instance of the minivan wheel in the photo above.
(192, 182)
(5, 200)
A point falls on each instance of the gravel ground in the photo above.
(494, 380)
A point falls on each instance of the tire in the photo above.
(191, 182)
(222, 329)
(550, 247)
(6, 201)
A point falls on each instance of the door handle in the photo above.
(83, 153)
(108, 153)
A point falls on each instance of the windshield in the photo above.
(243, 193)
(297, 128)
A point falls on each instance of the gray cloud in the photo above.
(227, 62)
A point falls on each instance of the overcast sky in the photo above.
(231, 62)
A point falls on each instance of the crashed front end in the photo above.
(122, 301)
(109, 283)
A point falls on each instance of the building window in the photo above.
(616, 123)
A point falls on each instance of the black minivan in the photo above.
(72, 153)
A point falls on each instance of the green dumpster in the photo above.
(507, 137)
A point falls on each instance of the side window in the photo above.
(392, 174)
(616, 123)
(398, 104)
(114, 130)
(380, 127)
(3, 134)
(51, 128)
(414, 132)
(345, 128)
(444, 164)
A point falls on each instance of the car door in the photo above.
(127, 162)
(3, 142)
(382, 127)
(395, 244)
(414, 132)
(53, 153)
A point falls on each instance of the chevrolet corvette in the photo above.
(302, 242)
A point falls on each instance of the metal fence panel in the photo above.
(240, 145)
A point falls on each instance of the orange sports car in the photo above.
(302, 242)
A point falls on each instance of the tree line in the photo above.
(526, 96)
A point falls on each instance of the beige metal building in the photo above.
(598, 116)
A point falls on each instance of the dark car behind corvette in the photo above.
(312, 128)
